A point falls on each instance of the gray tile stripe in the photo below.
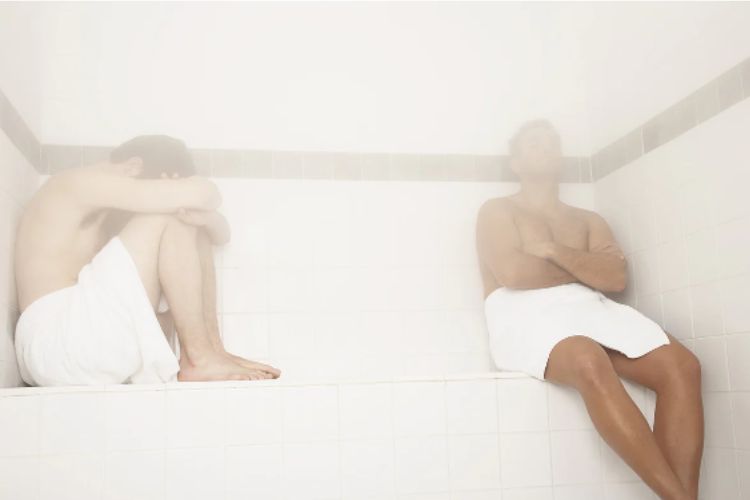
(722, 92)
(706, 102)
(324, 165)
(18, 132)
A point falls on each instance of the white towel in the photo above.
(102, 330)
(525, 324)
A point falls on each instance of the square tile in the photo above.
(195, 417)
(311, 471)
(19, 478)
(134, 475)
(474, 462)
(735, 295)
(19, 426)
(738, 351)
(365, 410)
(471, 406)
(717, 411)
(713, 359)
(71, 476)
(367, 468)
(310, 413)
(419, 408)
(522, 405)
(567, 411)
(134, 420)
(195, 474)
(421, 464)
(254, 416)
(576, 457)
(254, 471)
(71, 423)
(525, 459)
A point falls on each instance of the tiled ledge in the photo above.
(327, 165)
(280, 382)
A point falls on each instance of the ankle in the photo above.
(197, 357)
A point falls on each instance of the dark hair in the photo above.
(160, 153)
(514, 141)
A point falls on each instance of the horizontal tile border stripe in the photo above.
(719, 94)
(256, 164)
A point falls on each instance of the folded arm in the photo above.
(602, 266)
(99, 187)
(500, 249)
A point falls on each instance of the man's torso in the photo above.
(567, 226)
(56, 237)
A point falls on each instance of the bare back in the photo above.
(568, 225)
(56, 238)
(77, 211)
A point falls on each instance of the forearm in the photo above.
(599, 270)
(530, 271)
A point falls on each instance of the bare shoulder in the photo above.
(496, 206)
(62, 181)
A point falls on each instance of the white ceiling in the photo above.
(398, 77)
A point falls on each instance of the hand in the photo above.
(541, 249)
(195, 217)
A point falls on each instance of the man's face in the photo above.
(538, 152)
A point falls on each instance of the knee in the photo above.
(589, 364)
(682, 368)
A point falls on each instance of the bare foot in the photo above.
(217, 367)
(254, 365)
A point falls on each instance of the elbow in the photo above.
(617, 283)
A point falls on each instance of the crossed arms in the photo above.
(548, 263)
(194, 200)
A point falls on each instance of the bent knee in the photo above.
(682, 367)
(583, 361)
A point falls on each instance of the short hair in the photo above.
(513, 143)
(160, 153)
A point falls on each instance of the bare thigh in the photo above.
(659, 367)
(142, 238)
(578, 354)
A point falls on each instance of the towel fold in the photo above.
(102, 330)
(525, 324)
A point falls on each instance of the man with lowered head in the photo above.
(103, 249)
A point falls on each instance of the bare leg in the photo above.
(674, 373)
(582, 363)
(210, 314)
(165, 253)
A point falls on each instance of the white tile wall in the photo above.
(376, 280)
(694, 278)
(348, 278)
(18, 180)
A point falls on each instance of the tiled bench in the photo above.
(455, 437)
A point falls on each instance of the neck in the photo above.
(540, 193)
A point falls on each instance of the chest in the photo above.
(567, 229)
